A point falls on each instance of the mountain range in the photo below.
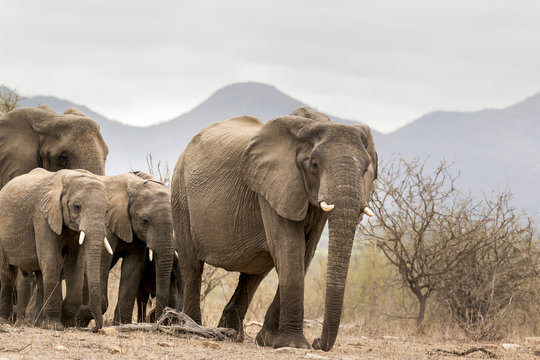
(492, 149)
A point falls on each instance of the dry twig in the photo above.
(463, 353)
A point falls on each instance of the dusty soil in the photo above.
(35, 343)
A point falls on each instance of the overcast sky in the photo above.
(381, 62)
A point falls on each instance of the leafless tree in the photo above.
(9, 99)
(423, 225)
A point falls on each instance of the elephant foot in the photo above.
(69, 321)
(52, 325)
(83, 317)
(266, 337)
(291, 340)
(231, 321)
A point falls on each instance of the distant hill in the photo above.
(129, 145)
(493, 149)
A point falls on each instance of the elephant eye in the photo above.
(77, 207)
(145, 222)
(63, 159)
(314, 166)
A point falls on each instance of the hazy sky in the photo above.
(381, 62)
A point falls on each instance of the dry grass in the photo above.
(366, 331)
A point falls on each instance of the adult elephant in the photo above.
(39, 137)
(53, 222)
(248, 196)
(138, 218)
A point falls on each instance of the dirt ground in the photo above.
(35, 343)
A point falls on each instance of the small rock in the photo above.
(164, 344)
(107, 331)
(510, 346)
(60, 347)
(536, 352)
(315, 356)
(115, 350)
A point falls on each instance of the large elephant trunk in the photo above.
(94, 245)
(349, 200)
(164, 253)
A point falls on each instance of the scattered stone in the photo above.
(60, 348)
(536, 352)
(510, 346)
(107, 331)
(164, 344)
(315, 356)
(115, 350)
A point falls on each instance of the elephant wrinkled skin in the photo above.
(248, 196)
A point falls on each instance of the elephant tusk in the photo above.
(81, 237)
(176, 254)
(107, 245)
(150, 254)
(326, 207)
(368, 212)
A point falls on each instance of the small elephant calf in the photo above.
(52, 223)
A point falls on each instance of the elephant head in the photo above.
(140, 206)
(77, 200)
(38, 137)
(303, 162)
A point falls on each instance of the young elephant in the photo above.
(52, 223)
(139, 217)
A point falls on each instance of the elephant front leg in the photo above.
(51, 263)
(286, 242)
(74, 276)
(130, 278)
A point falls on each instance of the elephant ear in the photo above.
(19, 142)
(51, 202)
(369, 144)
(270, 167)
(73, 111)
(117, 218)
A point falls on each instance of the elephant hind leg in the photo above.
(192, 277)
(235, 310)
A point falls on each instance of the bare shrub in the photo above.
(159, 170)
(495, 280)
(478, 256)
(9, 99)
